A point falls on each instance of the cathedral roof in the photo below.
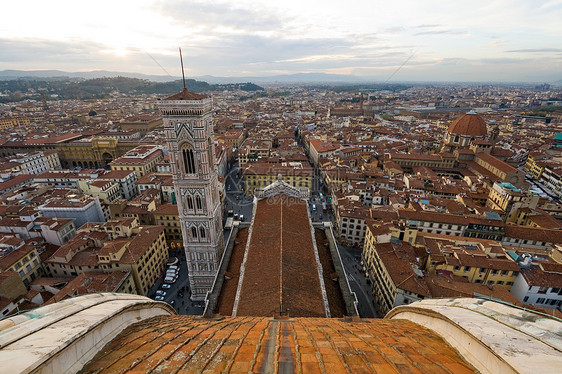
(186, 95)
(263, 345)
(468, 124)
(140, 335)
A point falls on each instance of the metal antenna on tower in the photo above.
(182, 73)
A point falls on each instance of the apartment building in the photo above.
(21, 257)
(142, 160)
(119, 245)
(81, 208)
(166, 215)
(509, 199)
(104, 190)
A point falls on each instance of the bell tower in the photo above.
(188, 125)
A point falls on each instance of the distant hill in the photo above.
(284, 78)
(57, 74)
(300, 78)
(84, 89)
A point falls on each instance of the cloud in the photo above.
(392, 30)
(535, 50)
(426, 26)
(439, 32)
(217, 17)
(14, 50)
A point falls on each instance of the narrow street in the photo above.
(351, 257)
(182, 305)
(235, 197)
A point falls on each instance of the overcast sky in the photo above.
(429, 40)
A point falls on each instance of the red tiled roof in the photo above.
(281, 270)
(261, 344)
(186, 95)
(469, 124)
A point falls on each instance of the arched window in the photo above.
(194, 232)
(188, 159)
(189, 202)
(198, 202)
(211, 156)
(456, 139)
(202, 232)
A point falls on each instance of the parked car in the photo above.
(159, 298)
(161, 293)
(173, 267)
(166, 286)
(242, 217)
(170, 279)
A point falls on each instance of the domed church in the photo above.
(463, 131)
(121, 333)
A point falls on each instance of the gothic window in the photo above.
(456, 140)
(194, 232)
(189, 202)
(211, 156)
(202, 232)
(188, 160)
(198, 202)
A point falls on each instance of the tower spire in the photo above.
(182, 73)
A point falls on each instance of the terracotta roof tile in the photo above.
(186, 95)
(260, 344)
(281, 269)
(469, 124)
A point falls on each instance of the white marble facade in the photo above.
(188, 125)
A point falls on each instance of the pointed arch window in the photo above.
(189, 202)
(188, 160)
(212, 160)
(202, 232)
(194, 232)
(198, 203)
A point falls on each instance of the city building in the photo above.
(142, 124)
(117, 245)
(106, 191)
(511, 201)
(93, 153)
(142, 160)
(81, 208)
(126, 179)
(167, 215)
(539, 282)
(488, 165)
(13, 121)
(20, 257)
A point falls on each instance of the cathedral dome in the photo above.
(470, 124)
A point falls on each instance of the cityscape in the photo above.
(305, 210)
